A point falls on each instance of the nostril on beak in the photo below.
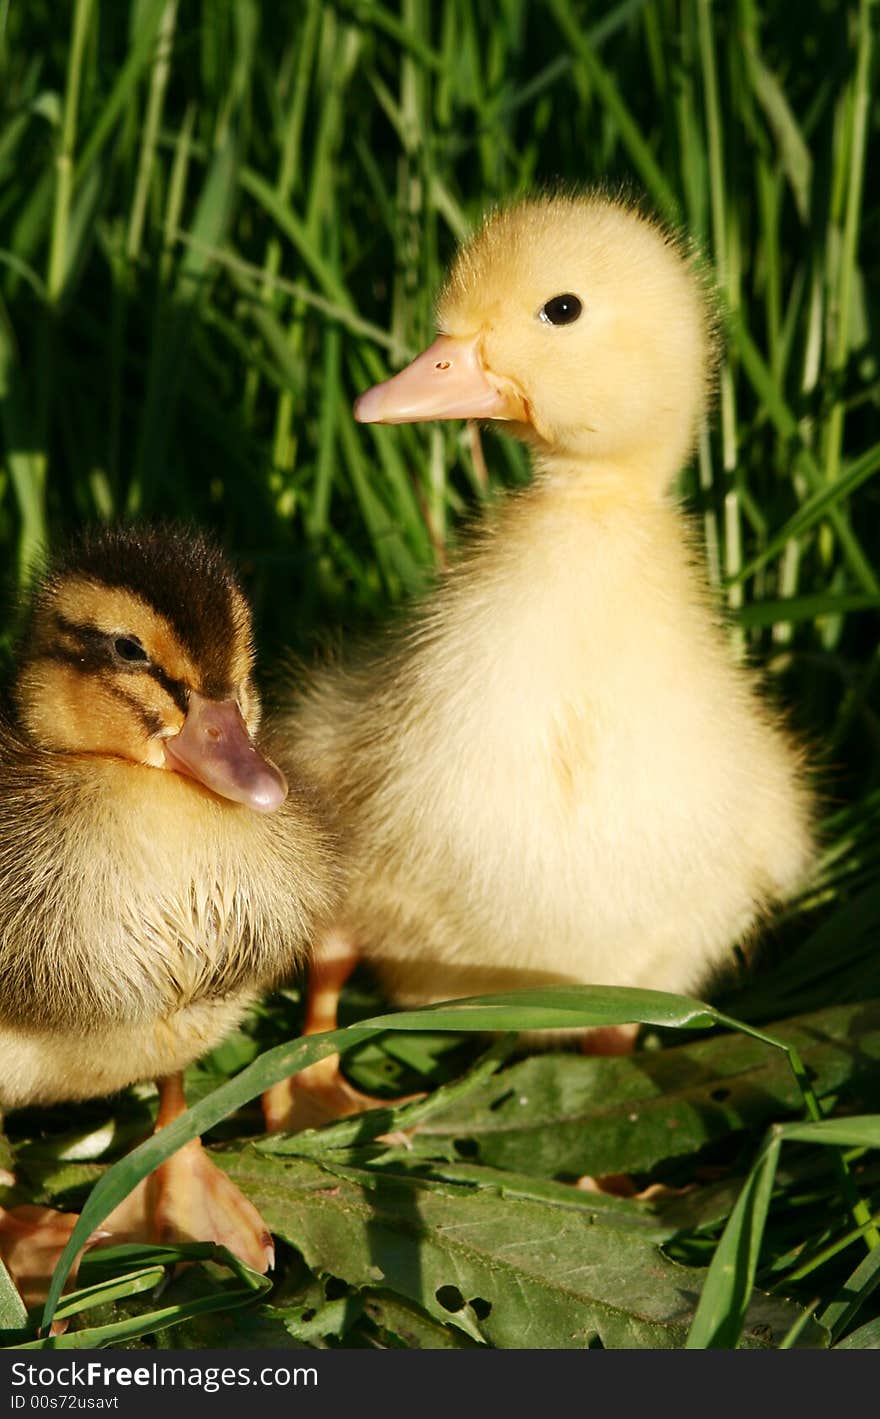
(443, 364)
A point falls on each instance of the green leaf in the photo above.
(610, 95)
(25, 460)
(6, 1154)
(838, 960)
(821, 503)
(405, 1326)
(566, 1114)
(125, 81)
(253, 1327)
(406, 1115)
(175, 318)
(861, 1132)
(506, 1270)
(87, 1298)
(13, 1315)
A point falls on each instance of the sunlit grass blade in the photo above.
(133, 1283)
(126, 79)
(731, 1277)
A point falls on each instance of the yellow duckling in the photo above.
(156, 874)
(558, 773)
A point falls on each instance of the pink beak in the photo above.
(447, 381)
(215, 748)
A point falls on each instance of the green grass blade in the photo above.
(175, 318)
(122, 92)
(607, 88)
(248, 1288)
(25, 461)
(840, 1313)
(59, 256)
(867, 1337)
(558, 1007)
(731, 1277)
(804, 608)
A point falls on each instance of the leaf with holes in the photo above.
(507, 1270)
(404, 1326)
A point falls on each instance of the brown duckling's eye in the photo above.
(561, 310)
(130, 650)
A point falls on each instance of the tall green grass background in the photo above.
(219, 221)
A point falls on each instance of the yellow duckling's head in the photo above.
(581, 322)
(139, 646)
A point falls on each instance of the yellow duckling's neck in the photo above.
(584, 591)
(640, 476)
(586, 526)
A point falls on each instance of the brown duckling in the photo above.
(558, 773)
(156, 874)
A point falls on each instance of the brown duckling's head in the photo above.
(139, 646)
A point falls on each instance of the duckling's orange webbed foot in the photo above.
(31, 1241)
(612, 1040)
(319, 1095)
(188, 1198)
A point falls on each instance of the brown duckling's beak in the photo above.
(447, 381)
(215, 748)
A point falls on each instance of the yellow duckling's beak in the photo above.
(215, 748)
(447, 381)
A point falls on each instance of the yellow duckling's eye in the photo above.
(561, 310)
(129, 649)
